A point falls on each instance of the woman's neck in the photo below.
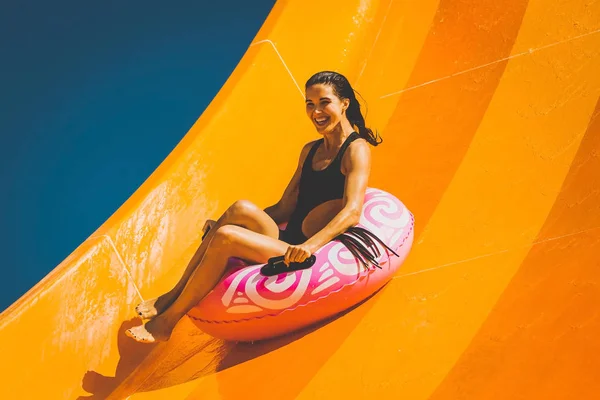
(334, 139)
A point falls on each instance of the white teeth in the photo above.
(320, 120)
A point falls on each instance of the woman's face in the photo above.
(324, 108)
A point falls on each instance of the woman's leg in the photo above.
(228, 241)
(242, 213)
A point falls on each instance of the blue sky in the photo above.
(94, 96)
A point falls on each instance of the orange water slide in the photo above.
(490, 116)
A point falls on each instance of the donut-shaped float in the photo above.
(247, 306)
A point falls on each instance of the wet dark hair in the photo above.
(343, 90)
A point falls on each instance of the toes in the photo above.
(137, 338)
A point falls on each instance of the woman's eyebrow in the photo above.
(322, 98)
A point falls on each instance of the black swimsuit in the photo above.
(316, 187)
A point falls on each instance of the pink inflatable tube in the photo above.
(247, 306)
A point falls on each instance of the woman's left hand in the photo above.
(297, 253)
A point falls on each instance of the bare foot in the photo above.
(151, 308)
(140, 334)
(151, 332)
(147, 309)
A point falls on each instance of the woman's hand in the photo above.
(208, 225)
(297, 253)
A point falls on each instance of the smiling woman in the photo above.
(326, 191)
(325, 93)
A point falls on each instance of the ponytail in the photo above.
(356, 119)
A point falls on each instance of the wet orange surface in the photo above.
(491, 123)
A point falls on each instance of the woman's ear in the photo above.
(345, 104)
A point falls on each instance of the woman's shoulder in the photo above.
(306, 149)
(308, 146)
(358, 151)
(359, 145)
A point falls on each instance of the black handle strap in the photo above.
(276, 266)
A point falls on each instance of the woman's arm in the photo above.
(357, 166)
(282, 211)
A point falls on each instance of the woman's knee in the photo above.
(248, 215)
(242, 207)
(225, 234)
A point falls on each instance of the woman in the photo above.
(323, 199)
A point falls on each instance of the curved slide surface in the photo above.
(490, 116)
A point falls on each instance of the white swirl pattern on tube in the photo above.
(342, 260)
(280, 304)
(382, 214)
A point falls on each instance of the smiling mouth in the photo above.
(321, 121)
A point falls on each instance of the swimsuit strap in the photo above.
(339, 155)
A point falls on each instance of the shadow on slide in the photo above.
(131, 355)
(191, 354)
